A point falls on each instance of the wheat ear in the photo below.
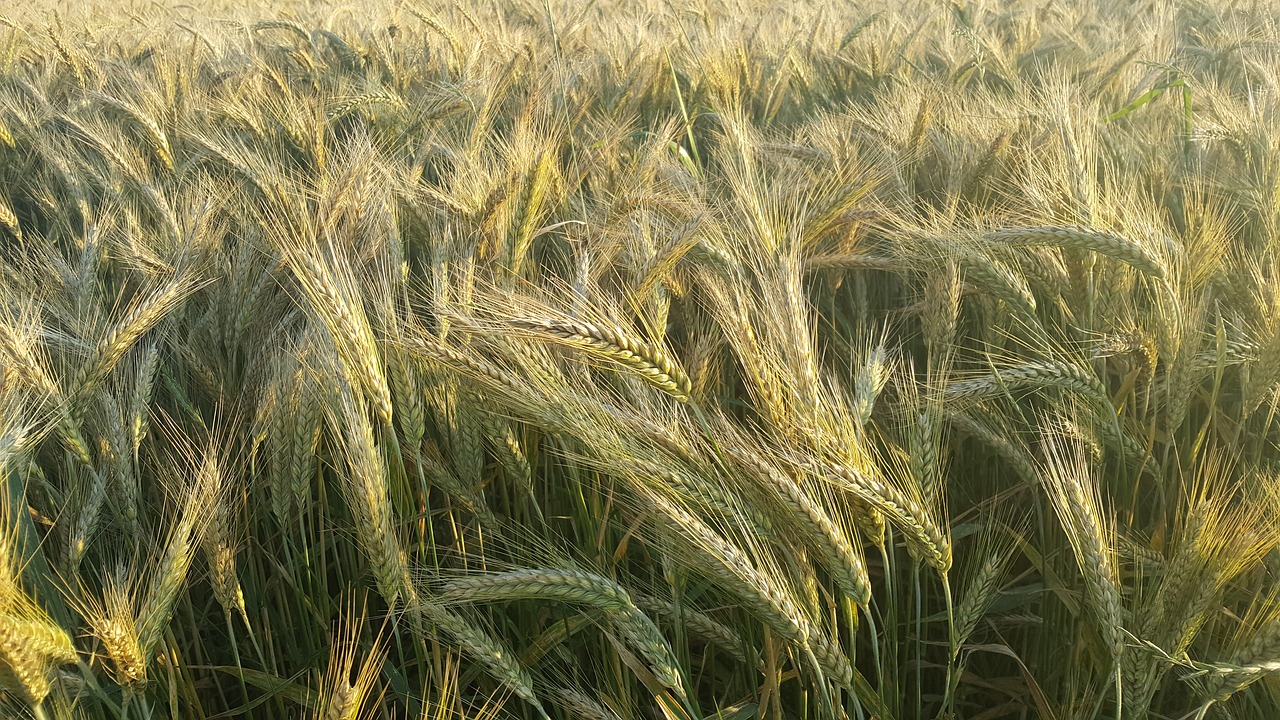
(1085, 238)
(831, 544)
(565, 584)
(123, 334)
(1071, 488)
(30, 649)
(700, 624)
(733, 569)
(366, 493)
(1045, 374)
(179, 551)
(924, 535)
(500, 661)
(618, 345)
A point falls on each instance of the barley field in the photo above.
(640, 360)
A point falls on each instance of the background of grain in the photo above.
(638, 360)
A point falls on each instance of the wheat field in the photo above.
(640, 360)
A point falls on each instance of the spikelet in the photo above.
(576, 586)
(93, 495)
(23, 360)
(70, 57)
(32, 644)
(581, 705)
(704, 493)
(271, 431)
(659, 265)
(852, 261)
(122, 335)
(462, 362)
(464, 419)
(1255, 651)
(940, 314)
(144, 384)
(640, 633)
(220, 551)
(730, 566)
(302, 425)
(978, 595)
(406, 394)
(30, 649)
(456, 43)
(506, 445)
(923, 443)
(698, 623)
(832, 660)
(1044, 269)
(1220, 538)
(983, 167)
(992, 276)
(302, 456)
(118, 452)
(1007, 446)
(733, 311)
(114, 623)
(868, 383)
(333, 297)
(986, 570)
(530, 211)
(155, 134)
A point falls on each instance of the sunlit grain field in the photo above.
(640, 360)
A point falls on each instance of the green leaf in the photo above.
(271, 685)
